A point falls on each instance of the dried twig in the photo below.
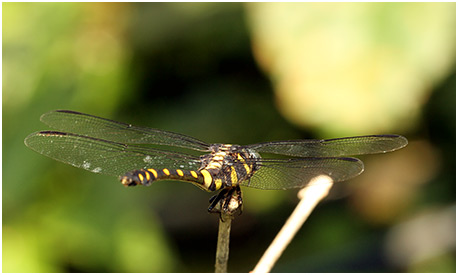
(310, 196)
(222, 247)
(228, 204)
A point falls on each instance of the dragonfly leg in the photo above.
(228, 201)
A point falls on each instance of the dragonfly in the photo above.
(142, 156)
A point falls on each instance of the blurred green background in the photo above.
(233, 73)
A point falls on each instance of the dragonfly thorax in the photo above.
(230, 164)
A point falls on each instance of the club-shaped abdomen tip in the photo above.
(128, 179)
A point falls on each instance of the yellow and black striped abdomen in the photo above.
(227, 166)
(204, 179)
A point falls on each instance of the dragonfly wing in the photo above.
(336, 147)
(102, 128)
(297, 173)
(105, 157)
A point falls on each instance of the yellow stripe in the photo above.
(166, 171)
(153, 172)
(148, 177)
(194, 174)
(247, 168)
(234, 178)
(242, 160)
(180, 173)
(140, 176)
(214, 165)
(218, 157)
(218, 184)
(207, 177)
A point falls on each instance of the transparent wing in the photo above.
(335, 147)
(105, 157)
(296, 173)
(97, 127)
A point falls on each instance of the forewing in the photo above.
(97, 127)
(105, 157)
(297, 173)
(336, 147)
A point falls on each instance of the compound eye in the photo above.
(254, 154)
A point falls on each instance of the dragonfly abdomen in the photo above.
(204, 179)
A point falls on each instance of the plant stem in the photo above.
(222, 247)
